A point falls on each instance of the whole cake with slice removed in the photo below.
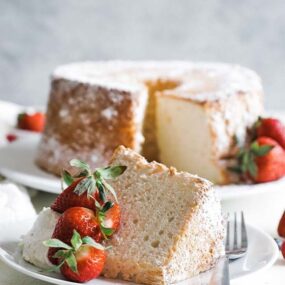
(183, 114)
(171, 226)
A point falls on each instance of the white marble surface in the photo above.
(38, 35)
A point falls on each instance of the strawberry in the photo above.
(84, 204)
(68, 199)
(281, 226)
(86, 189)
(263, 161)
(11, 137)
(87, 185)
(81, 260)
(32, 122)
(83, 220)
(272, 128)
(109, 218)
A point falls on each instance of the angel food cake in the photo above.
(171, 226)
(183, 114)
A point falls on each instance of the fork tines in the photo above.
(236, 237)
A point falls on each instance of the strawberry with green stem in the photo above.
(86, 186)
(109, 218)
(99, 225)
(262, 161)
(80, 261)
(34, 122)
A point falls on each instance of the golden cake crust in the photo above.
(87, 122)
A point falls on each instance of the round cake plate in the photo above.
(17, 162)
(262, 253)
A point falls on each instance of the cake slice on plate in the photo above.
(171, 224)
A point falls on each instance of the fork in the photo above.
(234, 250)
(239, 248)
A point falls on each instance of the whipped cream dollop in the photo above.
(15, 203)
(33, 249)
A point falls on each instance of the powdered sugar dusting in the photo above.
(109, 113)
(198, 81)
(56, 155)
(63, 113)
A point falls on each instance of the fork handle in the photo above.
(221, 274)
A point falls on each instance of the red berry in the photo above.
(112, 217)
(83, 220)
(273, 128)
(80, 260)
(270, 166)
(68, 199)
(11, 137)
(31, 122)
(90, 263)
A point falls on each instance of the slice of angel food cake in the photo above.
(162, 227)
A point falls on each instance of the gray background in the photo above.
(36, 36)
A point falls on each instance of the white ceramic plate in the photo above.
(17, 164)
(262, 253)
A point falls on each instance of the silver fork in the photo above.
(234, 250)
(239, 247)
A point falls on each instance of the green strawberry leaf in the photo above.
(107, 231)
(82, 173)
(101, 216)
(236, 169)
(92, 242)
(56, 243)
(71, 262)
(107, 206)
(76, 240)
(254, 147)
(55, 268)
(110, 189)
(67, 177)
(91, 186)
(20, 117)
(252, 168)
(262, 150)
(244, 162)
(86, 184)
(62, 254)
(80, 164)
(97, 174)
(100, 188)
(112, 172)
